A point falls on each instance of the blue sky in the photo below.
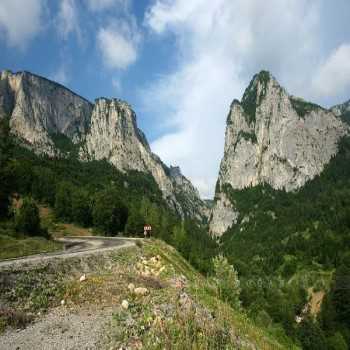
(180, 63)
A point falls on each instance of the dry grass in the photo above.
(316, 298)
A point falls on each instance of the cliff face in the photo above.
(114, 136)
(342, 111)
(40, 110)
(273, 138)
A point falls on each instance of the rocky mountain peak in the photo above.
(42, 112)
(273, 138)
(342, 111)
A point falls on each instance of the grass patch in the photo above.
(12, 247)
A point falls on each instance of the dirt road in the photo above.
(76, 246)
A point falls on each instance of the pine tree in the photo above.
(226, 279)
(81, 207)
(6, 185)
(27, 218)
(135, 223)
(63, 201)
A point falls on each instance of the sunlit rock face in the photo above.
(276, 139)
(114, 136)
(41, 110)
(38, 108)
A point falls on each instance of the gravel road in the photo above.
(60, 330)
(74, 247)
(64, 328)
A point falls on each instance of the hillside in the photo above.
(171, 307)
(281, 211)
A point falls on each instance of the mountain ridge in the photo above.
(272, 138)
(39, 109)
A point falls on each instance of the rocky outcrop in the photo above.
(41, 110)
(342, 111)
(276, 139)
(188, 195)
(223, 215)
(114, 136)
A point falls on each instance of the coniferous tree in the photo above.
(135, 223)
(63, 201)
(109, 213)
(5, 176)
(28, 220)
(81, 207)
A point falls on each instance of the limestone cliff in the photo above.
(39, 108)
(41, 111)
(273, 138)
(342, 111)
(114, 136)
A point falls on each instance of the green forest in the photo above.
(91, 194)
(286, 245)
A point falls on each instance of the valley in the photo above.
(261, 266)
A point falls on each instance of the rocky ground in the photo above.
(141, 297)
(61, 328)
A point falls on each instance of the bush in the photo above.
(135, 223)
(109, 213)
(63, 201)
(82, 208)
(27, 219)
(311, 336)
(336, 342)
(226, 279)
(5, 178)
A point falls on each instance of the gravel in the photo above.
(61, 329)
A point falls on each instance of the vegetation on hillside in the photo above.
(303, 107)
(288, 244)
(93, 194)
(159, 300)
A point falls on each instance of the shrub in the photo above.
(28, 220)
(82, 208)
(226, 279)
(63, 201)
(311, 336)
(336, 342)
(109, 213)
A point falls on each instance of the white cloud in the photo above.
(333, 76)
(67, 19)
(221, 44)
(118, 44)
(100, 5)
(20, 21)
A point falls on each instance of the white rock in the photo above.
(82, 278)
(141, 291)
(125, 304)
(131, 287)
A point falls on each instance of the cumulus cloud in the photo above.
(118, 44)
(19, 22)
(333, 76)
(221, 44)
(68, 20)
